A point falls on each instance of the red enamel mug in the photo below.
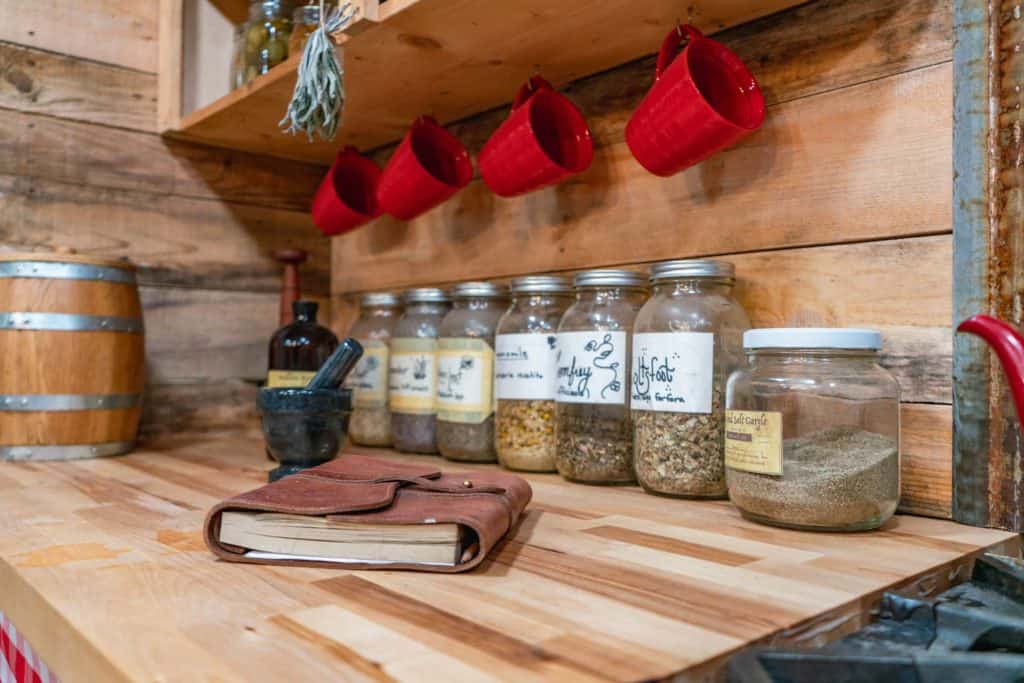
(544, 140)
(347, 196)
(704, 99)
(429, 166)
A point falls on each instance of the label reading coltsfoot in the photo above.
(753, 441)
(412, 376)
(369, 378)
(465, 378)
(278, 379)
(673, 371)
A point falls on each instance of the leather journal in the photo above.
(358, 512)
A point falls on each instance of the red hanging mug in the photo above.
(347, 196)
(704, 99)
(428, 167)
(543, 141)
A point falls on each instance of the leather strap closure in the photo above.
(413, 483)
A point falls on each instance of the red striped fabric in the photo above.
(19, 663)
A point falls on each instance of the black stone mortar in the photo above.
(303, 427)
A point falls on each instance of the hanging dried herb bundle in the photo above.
(316, 103)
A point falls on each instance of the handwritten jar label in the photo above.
(526, 366)
(753, 441)
(673, 371)
(369, 378)
(412, 376)
(592, 367)
(465, 376)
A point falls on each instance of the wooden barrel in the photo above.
(72, 357)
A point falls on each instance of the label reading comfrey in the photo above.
(526, 366)
(465, 376)
(673, 371)
(592, 367)
(412, 375)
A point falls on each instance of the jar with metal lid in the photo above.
(412, 370)
(812, 430)
(465, 372)
(525, 369)
(305, 20)
(370, 423)
(687, 340)
(267, 33)
(593, 425)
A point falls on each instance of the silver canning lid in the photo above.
(685, 268)
(812, 338)
(425, 295)
(474, 290)
(541, 284)
(609, 277)
(379, 300)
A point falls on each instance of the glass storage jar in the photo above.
(266, 36)
(687, 340)
(465, 372)
(370, 423)
(412, 370)
(593, 426)
(812, 430)
(305, 20)
(525, 370)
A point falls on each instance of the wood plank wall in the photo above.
(81, 165)
(838, 212)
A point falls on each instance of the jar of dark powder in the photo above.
(370, 424)
(525, 368)
(687, 340)
(412, 370)
(465, 372)
(812, 430)
(593, 426)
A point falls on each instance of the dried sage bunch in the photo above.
(316, 103)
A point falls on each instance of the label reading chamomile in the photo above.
(525, 366)
(592, 367)
(278, 379)
(369, 378)
(753, 441)
(412, 376)
(465, 378)
(673, 371)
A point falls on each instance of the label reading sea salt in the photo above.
(673, 371)
(526, 366)
(753, 441)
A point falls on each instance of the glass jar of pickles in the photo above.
(266, 36)
(687, 340)
(370, 423)
(412, 370)
(594, 429)
(525, 368)
(465, 372)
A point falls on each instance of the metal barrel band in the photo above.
(68, 452)
(69, 322)
(64, 402)
(50, 270)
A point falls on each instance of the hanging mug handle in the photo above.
(670, 46)
(529, 89)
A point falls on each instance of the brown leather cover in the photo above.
(356, 488)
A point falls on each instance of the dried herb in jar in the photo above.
(526, 435)
(595, 444)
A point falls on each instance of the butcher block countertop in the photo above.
(103, 569)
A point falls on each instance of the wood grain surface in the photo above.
(113, 583)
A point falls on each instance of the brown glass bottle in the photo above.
(298, 349)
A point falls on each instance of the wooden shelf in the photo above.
(452, 59)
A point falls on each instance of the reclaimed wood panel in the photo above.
(175, 241)
(101, 156)
(926, 459)
(596, 583)
(801, 180)
(200, 409)
(75, 89)
(120, 32)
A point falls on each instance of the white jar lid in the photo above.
(812, 338)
